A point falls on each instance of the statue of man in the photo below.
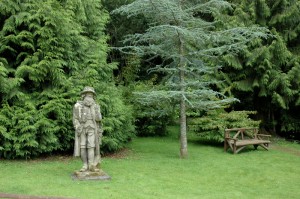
(88, 130)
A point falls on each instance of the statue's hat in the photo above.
(88, 89)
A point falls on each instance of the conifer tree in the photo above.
(50, 50)
(183, 35)
(267, 72)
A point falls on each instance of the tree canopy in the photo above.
(187, 37)
(266, 73)
(49, 51)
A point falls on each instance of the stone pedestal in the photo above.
(90, 175)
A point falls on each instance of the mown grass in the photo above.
(151, 168)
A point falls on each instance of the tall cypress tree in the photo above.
(266, 74)
(183, 35)
(49, 51)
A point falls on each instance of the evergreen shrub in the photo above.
(211, 124)
(151, 119)
(50, 50)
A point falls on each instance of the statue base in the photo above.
(90, 175)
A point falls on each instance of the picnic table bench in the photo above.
(238, 138)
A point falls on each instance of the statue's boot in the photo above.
(84, 158)
(91, 157)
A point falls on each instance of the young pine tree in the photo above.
(183, 35)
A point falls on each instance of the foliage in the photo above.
(266, 73)
(129, 66)
(152, 119)
(118, 120)
(49, 51)
(184, 36)
(211, 125)
(290, 125)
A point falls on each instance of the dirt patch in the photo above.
(53, 158)
(121, 154)
(286, 149)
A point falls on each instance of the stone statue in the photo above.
(88, 132)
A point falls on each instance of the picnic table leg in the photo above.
(239, 149)
(265, 146)
(234, 149)
(225, 145)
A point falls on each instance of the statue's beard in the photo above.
(88, 102)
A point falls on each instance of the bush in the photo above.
(211, 125)
(118, 120)
(151, 119)
(50, 50)
(29, 128)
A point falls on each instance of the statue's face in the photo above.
(88, 99)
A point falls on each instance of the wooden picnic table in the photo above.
(238, 138)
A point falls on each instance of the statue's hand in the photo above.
(78, 130)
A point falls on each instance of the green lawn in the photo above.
(151, 168)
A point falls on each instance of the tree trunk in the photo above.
(183, 137)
